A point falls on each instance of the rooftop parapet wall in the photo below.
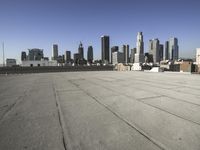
(22, 70)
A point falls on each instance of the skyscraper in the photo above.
(81, 51)
(113, 49)
(76, 58)
(139, 56)
(173, 49)
(90, 54)
(54, 52)
(105, 47)
(154, 47)
(126, 53)
(132, 57)
(67, 56)
(118, 57)
(166, 57)
(140, 43)
(161, 49)
(35, 54)
(23, 56)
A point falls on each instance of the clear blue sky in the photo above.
(40, 23)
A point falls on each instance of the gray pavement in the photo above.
(100, 111)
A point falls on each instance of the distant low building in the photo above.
(122, 67)
(165, 64)
(182, 66)
(39, 63)
(11, 62)
(136, 67)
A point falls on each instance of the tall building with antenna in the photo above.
(81, 51)
(139, 56)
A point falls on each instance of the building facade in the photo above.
(76, 58)
(54, 52)
(173, 51)
(139, 56)
(105, 47)
(118, 57)
(23, 56)
(154, 47)
(132, 57)
(198, 56)
(90, 54)
(67, 56)
(39, 63)
(113, 49)
(166, 57)
(11, 62)
(125, 49)
(81, 51)
(161, 51)
(35, 54)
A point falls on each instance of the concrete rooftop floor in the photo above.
(100, 111)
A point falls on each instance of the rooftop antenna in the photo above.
(3, 54)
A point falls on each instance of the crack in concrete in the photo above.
(66, 140)
(12, 106)
(59, 118)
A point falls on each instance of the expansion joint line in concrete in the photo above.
(65, 139)
(189, 120)
(142, 100)
(140, 131)
(157, 93)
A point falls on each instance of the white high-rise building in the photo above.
(139, 56)
(54, 52)
(198, 56)
(140, 43)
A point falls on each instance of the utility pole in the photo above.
(3, 54)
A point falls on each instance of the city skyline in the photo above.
(66, 23)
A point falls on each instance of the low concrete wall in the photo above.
(22, 70)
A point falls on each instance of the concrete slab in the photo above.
(187, 111)
(100, 110)
(92, 126)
